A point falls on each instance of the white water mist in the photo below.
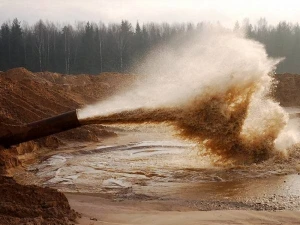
(210, 62)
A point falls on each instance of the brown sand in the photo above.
(26, 97)
(97, 210)
(33, 205)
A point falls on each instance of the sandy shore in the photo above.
(98, 210)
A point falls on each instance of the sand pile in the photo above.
(33, 205)
(26, 97)
(90, 88)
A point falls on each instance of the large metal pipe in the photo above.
(13, 135)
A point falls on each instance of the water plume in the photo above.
(214, 88)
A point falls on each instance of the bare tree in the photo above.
(39, 33)
(67, 32)
(101, 33)
(123, 33)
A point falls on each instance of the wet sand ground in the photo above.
(97, 210)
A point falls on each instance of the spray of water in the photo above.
(213, 87)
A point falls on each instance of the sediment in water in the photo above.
(215, 122)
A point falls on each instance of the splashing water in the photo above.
(214, 89)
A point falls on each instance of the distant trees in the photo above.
(82, 48)
(94, 48)
(282, 40)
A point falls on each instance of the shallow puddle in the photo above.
(168, 169)
(164, 168)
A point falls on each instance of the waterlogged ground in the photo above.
(147, 164)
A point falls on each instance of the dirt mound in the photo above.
(21, 74)
(33, 205)
(26, 97)
(25, 100)
(90, 88)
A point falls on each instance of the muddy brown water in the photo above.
(147, 163)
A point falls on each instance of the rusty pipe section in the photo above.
(13, 135)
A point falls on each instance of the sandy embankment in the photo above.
(26, 97)
(96, 210)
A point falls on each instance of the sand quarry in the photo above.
(130, 174)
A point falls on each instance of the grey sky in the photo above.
(224, 11)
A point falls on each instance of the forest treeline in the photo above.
(93, 48)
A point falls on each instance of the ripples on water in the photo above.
(163, 169)
(166, 168)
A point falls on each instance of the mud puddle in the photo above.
(166, 169)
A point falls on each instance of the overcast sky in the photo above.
(224, 11)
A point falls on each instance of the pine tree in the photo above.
(17, 50)
(5, 47)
